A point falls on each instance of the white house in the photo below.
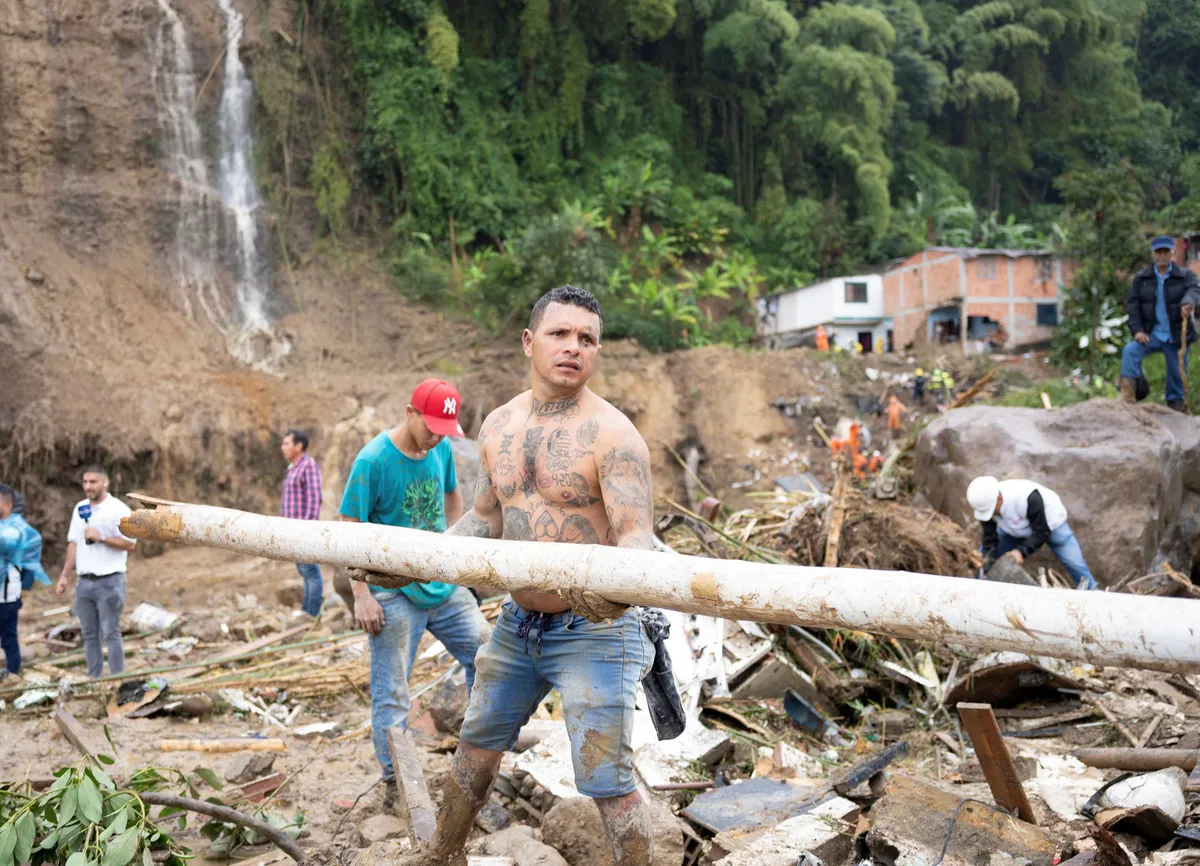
(850, 308)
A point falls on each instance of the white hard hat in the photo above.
(982, 494)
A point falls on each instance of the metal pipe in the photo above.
(1097, 627)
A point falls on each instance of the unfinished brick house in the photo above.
(1015, 292)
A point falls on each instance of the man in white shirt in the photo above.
(1020, 516)
(97, 551)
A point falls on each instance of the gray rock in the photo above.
(574, 828)
(447, 704)
(466, 463)
(380, 828)
(35, 276)
(493, 817)
(518, 843)
(247, 766)
(383, 853)
(1121, 470)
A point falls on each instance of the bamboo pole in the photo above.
(1097, 627)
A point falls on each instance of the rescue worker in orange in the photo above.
(895, 415)
(822, 339)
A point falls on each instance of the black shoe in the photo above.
(1177, 405)
(390, 795)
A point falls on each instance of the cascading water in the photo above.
(174, 81)
(225, 219)
(239, 192)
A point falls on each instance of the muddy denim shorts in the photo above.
(594, 666)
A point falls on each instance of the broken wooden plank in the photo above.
(915, 819)
(1138, 760)
(1097, 627)
(259, 789)
(413, 803)
(223, 746)
(78, 736)
(837, 514)
(997, 763)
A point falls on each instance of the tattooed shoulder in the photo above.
(625, 477)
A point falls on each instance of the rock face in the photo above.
(1123, 472)
(518, 843)
(574, 827)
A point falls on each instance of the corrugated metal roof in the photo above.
(977, 252)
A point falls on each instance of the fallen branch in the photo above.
(837, 514)
(231, 816)
(223, 746)
(1097, 627)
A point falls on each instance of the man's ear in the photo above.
(527, 342)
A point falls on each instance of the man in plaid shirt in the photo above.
(302, 501)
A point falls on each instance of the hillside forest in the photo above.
(683, 157)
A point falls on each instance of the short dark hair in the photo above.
(571, 296)
(94, 469)
(299, 437)
(8, 494)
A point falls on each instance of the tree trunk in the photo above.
(1101, 628)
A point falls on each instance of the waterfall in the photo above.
(174, 82)
(219, 227)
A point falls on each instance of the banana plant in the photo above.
(713, 282)
(657, 252)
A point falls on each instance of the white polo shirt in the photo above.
(99, 558)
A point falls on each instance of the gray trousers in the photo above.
(98, 604)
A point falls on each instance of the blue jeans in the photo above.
(8, 635)
(1134, 353)
(313, 588)
(456, 622)
(1065, 547)
(595, 667)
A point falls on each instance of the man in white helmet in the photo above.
(1020, 516)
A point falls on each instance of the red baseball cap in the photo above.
(438, 402)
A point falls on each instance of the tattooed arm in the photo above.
(483, 520)
(626, 488)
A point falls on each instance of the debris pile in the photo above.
(795, 527)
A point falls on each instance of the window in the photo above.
(985, 268)
(1045, 270)
(856, 293)
(1047, 315)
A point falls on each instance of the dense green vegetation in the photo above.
(680, 157)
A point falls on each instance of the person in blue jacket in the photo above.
(20, 567)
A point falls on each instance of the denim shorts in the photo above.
(594, 666)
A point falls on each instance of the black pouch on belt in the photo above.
(662, 698)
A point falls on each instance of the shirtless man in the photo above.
(558, 464)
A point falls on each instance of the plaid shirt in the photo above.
(302, 490)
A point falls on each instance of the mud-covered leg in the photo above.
(465, 793)
(627, 823)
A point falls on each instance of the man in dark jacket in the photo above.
(1160, 297)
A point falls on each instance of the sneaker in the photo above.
(1176, 405)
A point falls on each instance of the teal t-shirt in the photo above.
(386, 486)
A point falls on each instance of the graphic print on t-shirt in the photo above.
(423, 504)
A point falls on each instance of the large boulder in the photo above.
(1122, 471)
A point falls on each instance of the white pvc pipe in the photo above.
(1097, 627)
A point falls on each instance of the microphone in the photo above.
(85, 513)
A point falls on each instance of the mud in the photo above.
(627, 825)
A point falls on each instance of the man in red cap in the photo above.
(405, 477)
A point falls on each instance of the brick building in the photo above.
(928, 295)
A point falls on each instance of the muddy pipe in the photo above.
(1097, 627)
(1138, 760)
